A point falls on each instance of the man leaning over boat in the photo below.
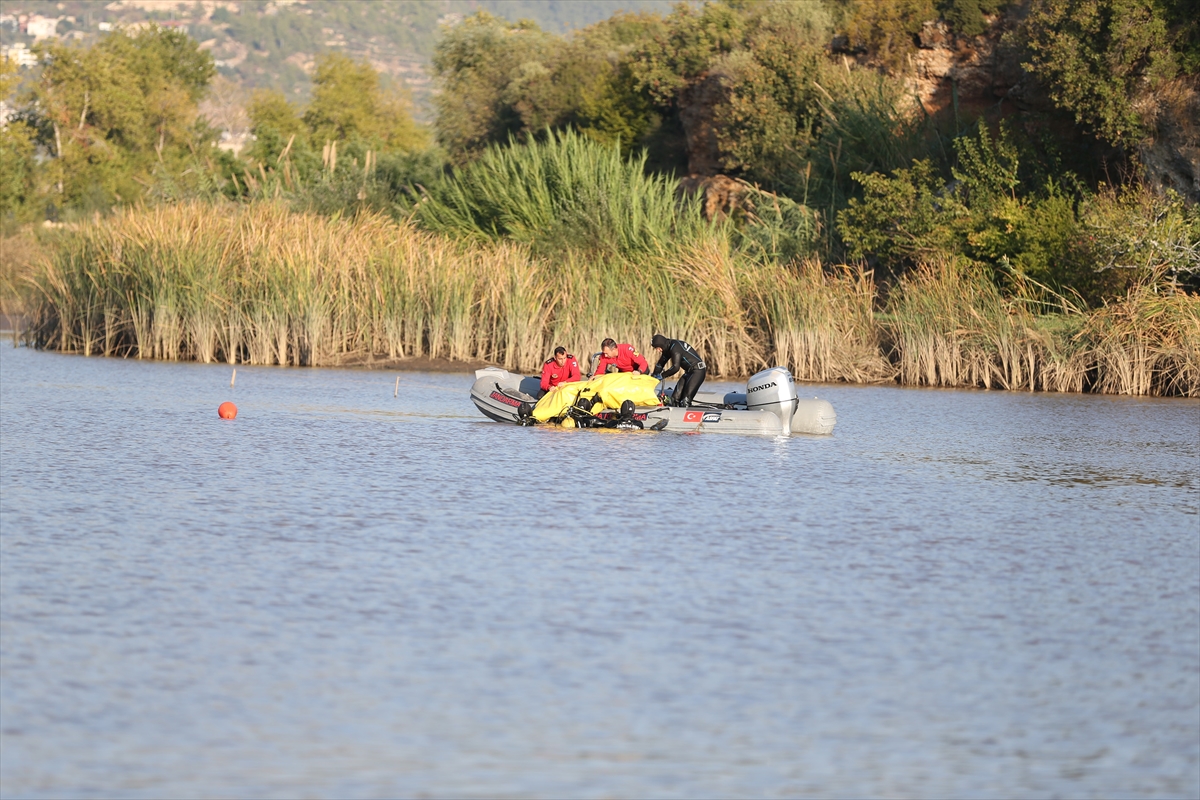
(620, 358)
(682, 357)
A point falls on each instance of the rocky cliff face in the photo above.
(973, 72)
(1171, 155)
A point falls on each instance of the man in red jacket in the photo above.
(620, 358)
(563, 368)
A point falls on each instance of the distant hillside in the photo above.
(273, 44)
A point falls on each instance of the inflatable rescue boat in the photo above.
(769, 405)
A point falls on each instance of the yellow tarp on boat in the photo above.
(611, 390)
(555, 402)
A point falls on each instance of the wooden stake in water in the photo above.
(397, 392)
(234, 378)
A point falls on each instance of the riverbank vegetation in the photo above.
(756, 178)
(262, 284)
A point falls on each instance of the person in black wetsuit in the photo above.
(682, 357)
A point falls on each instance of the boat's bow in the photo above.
(498, 393)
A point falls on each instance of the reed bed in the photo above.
(260, 284)
(949, 325)
(20, 252)
(822, 322)
(1148, 343)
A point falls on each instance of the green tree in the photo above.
(270, 110)
(17, 165)
(682, 51)
(502, 80)
(597, 91)
(783, 114)
(122, 115)
(771, 111)
(493, 76)
(965, 17)
(1097, 56)
(988, 214)
(349, 104)
(885, 28)
(371, 149)
(901, 220)
(278, 130)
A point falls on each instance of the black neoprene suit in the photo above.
(682, 357)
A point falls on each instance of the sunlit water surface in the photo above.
(342, 593)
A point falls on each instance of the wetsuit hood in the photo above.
(661, 342)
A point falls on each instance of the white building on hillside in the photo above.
(20, 53)
(40, 27)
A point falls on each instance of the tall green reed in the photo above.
(563, 191)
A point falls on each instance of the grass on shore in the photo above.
(259, 284)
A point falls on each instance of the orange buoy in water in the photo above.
(227, 410)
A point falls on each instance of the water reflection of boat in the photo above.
(768, 406)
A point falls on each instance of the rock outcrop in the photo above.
(720, 195)
(1170, 156)
(984, 72)
(977, 72)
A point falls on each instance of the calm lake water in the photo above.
(958, 594)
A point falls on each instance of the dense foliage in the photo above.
(576, 142)
(1094, 246)
(1098, 56)
(119, 121)
(752, 90)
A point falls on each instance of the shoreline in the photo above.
(406, 364)
(445, 366)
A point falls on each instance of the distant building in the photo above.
(21, 54)
(40, 27)
(171, 6)
(234, 142)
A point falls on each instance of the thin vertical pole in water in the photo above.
(397, 392)
(234, 378)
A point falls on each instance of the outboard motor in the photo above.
(773, 390)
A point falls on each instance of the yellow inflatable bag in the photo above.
(611, 390)
(555, 402)
(617, 387)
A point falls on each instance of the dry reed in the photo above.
(259, 284)
(821, 323)
(951, 326)
(1147, 343)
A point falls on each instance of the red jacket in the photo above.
(627, 360)
(553, 374)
